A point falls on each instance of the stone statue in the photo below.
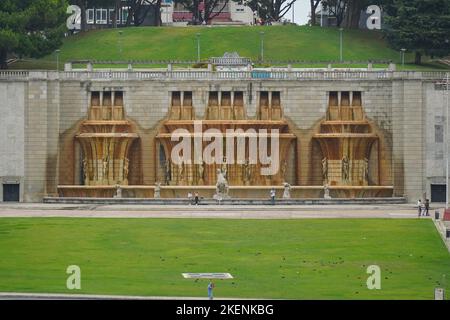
(325, 169)
(366, 171)
(118, 191)
(287, 191)
(126, 165)
(224, 167)
(326, 192)
(221, 186)
(345, 168)
(181, 171)
(85, 171)
(201, 172)
(105, 167)
(157, 193)
(283, 170)
(167, 173)
(247, 174)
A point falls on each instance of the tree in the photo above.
(31, 27)
(270, 10)
(421, 26)
(314, 5)
(210, 9)
(139, 9)
(336, 8)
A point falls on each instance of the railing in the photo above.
(255, 74)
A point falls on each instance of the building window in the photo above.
(90, 16)
(124, 15)
(110, 16)
(438, 133)
(176, 98)
(101, 16)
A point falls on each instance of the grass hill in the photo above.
(280, 43)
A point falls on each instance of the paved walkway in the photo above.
(210, 211)
(63, 296)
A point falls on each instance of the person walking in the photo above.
(272, 196)
(419, 207)
(196, 198)
(427, 207)
(210, 290)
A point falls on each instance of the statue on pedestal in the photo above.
(157, 193)
(201, 172)
(105, 167)
(167, 173)
(85, 171)
(345, 168)
(325, 170)
(283, 170)
(118, 192)
(126, 165)
(365, 172)
(247, 174)
(221, 186)
(326, 192)
(181, 172)
(287, 191)
(224, 167)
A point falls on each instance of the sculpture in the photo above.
(326, 192)
(283, 170)
(181, 171)
(126, 165)
(247, 172)
(325, 169)
(85, 171)
(167, 173)
(157, 193)
(105, 167)
(221, 186)
(118, 191)
(224, 167)
(201, 172)
(345, 168)
(366, 171)
(287, 191)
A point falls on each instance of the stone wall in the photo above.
(40, 116)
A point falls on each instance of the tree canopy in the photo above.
(421, 26)
(31, 27)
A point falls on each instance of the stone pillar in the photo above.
(169, 67)
(130, 67)
(90, 67)
(68, 66)
(370, 66)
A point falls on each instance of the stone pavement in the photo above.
(209, 211)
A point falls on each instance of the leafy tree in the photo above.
(211, 9)
(270, 10)
(421, 26)
(31, 27)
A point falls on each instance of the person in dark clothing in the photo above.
(427, 206)
(196, 198)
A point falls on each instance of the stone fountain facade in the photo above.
(83, 133)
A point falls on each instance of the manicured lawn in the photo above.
(301, 259)
(280, 43)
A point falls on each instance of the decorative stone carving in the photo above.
(105, 167)
(221, 186)
(365, 173)
(287, 191)
(325, 170)
(247, 174)
(201, 172)
(118, 192)
(167, 172)
(157, 193)
(126, 166)
(283, 170)
(326, 192)
(345, 169)
(85, 171)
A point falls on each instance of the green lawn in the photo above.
(302, 259)
(280, 43)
